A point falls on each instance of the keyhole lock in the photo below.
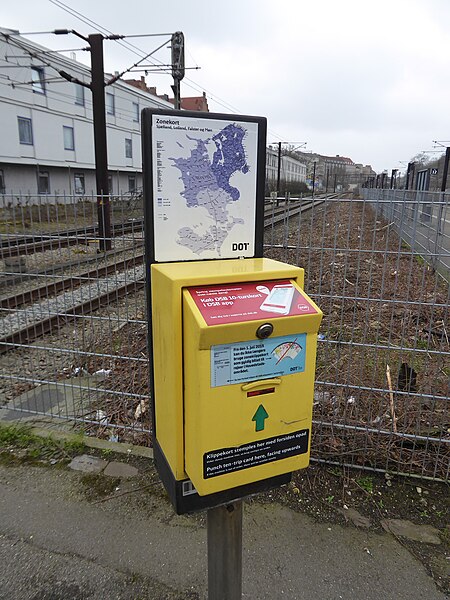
(264, 331)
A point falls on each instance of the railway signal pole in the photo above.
(177, 49)
(95, 41)
(97, 87)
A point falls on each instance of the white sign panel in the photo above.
(204, 187)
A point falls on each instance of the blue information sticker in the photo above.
(257, 359)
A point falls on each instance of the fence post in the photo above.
(439, 230)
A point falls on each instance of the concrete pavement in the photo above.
(56, 544)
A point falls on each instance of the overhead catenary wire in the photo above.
(116, 77)
(122, 113)
(49, 51)
(99, 28)
(60, 96)
(139, 52)
(36, 56)
(131, 47)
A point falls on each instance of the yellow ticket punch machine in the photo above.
(232, 340)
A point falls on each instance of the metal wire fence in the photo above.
(382, 378)
(421, 220)
(73, 322)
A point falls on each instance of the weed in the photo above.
(366, 483)
(16, 436)
(419, 260)
(335, 471)
(422, 344)
(329, 499)
(37, 447)
(34, 453)
(76, 445)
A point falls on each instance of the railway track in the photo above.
(278, 215)
(86, 292)
(29, 244)
(49, 289)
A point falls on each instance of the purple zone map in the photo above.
(207, 184)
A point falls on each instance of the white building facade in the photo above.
(292, 170)
(47, 141)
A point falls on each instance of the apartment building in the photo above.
(47, 141)
(292, 170)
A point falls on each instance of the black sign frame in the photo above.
(148, 174)
(184, 498)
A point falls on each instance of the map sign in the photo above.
(204, 187)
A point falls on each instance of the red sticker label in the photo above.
(247, 301)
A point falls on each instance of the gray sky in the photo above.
(368, 80)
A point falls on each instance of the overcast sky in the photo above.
(368, 80)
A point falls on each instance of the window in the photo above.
(69, 140)
(78, 179)
(128, 148)
(110, 104)
(2, 182)
(79, 94)
(25, 130)
(38, 80)
(135, 112)
(131, 183)
(43, 182)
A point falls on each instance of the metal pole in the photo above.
(101, 155)
(314, 179)
(224, 525)
(334, 187)
(176, 94)
(439, 229)
(445, 173)
(326, 188)
(279, 170)
(393, 177)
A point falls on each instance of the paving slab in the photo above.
(420, 533)
(88, 464)
(120, 469)
(53, 404)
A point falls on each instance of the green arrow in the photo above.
(259, 417)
